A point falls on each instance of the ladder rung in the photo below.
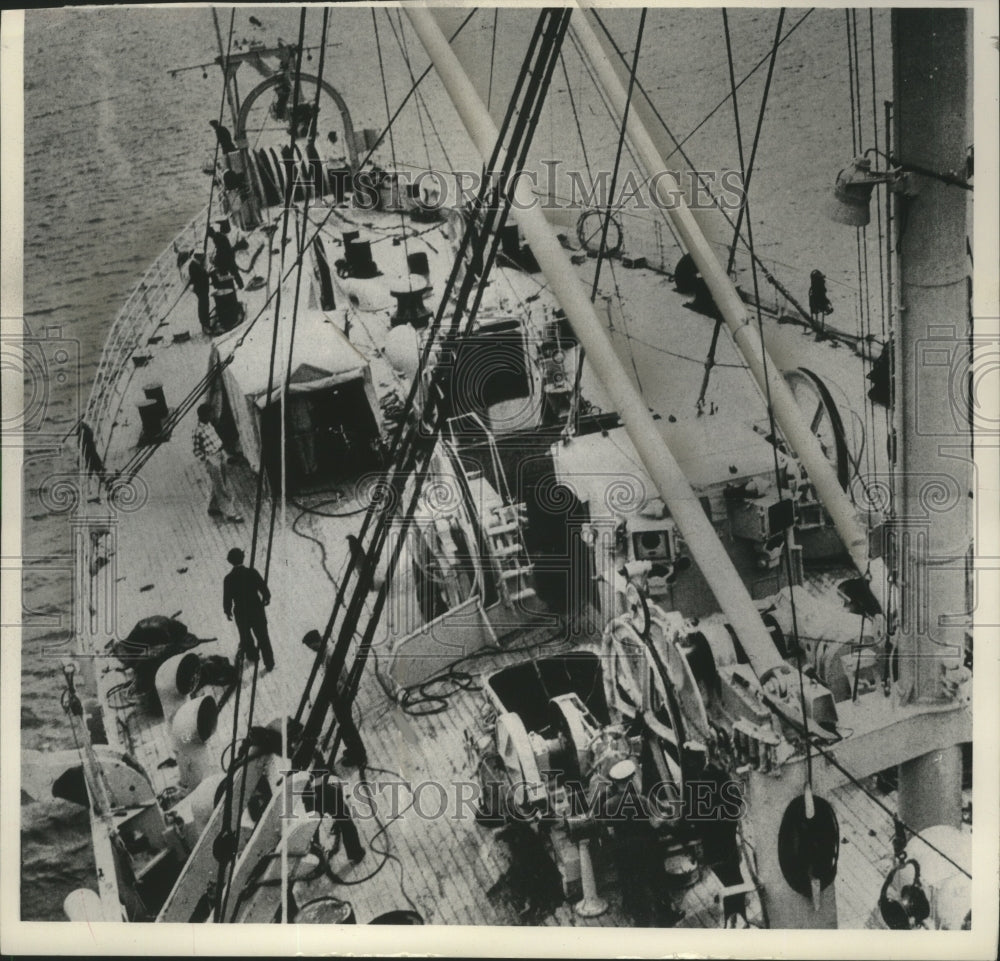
(514, 572)
(507, 550)
(522, 595)
(501, 529)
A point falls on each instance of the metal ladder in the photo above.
(502, 524)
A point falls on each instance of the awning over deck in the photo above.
(322, 358)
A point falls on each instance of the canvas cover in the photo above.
(322, 357)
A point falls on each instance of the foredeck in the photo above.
(167, 556)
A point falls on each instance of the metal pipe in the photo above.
(685, 508)
(789, 417)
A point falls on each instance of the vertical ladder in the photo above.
(502, 521)
(503, 530)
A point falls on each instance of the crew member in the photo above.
(328, 799)
(225, 257)
(819, 303)
(244, 596)
(354, 749)
(208, 450)
(224, 137)
(227, 303)
(199, 280)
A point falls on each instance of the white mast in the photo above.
(685, 508)
(787, 413)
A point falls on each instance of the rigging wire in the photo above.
(739, 146)
(746, 172)
(225, 873)
(523, 133)
(388, 117)
(831, 758)
(300, 237)
(576, 119)
(222, 107)
(795, 26)
(493, 52)
(772, 426)
(618, 158)
(402, 441)
(405, 441)
(404, 53)
(861, 249)
(602, 248)
(878, 206)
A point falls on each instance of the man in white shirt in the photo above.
(209, 451)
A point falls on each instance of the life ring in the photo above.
(586, 234)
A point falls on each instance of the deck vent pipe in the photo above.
(154, 392)
(359, 262)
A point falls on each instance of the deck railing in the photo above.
(141, 314)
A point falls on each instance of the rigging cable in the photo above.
(885, 306)
(772, 425)
(493, 53)
(404, 53)
(222, 106)
(392, 138)
(746, 172)
(404, 439)
(623, 129)
(829, 756)
(225, 874)
(795, 26)
(300, 238)
(576, 120)
(524, 130)
(864, 285)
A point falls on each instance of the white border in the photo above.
(257, 940)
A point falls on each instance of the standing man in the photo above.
(225, 256)
(245, 595)
(198, 279)
(354, 748)
(819, 303)
(209, 451)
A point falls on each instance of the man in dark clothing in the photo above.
(225, 258)
(328, 798)
(819, 303)
(245, 595)
(198, 278)
(354, 749)
(224, 137)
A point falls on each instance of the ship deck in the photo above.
(167, 556)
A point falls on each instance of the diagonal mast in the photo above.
(733, 597)
(746, 338)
